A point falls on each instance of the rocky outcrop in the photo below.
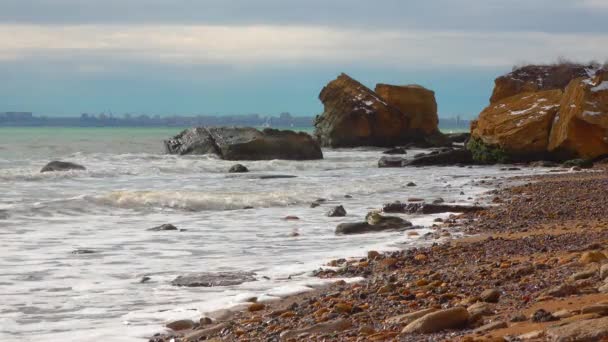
(554, 112)
(533, 78)
(375, 223)
(213, 279)
(581, 126)
(56, 165)
(453, 157)
(414, 100)
(355, 115)
(232, 143)
(520, 124)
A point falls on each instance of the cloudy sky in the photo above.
(65, 57)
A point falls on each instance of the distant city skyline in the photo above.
(66, 57)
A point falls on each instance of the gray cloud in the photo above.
(498, 15)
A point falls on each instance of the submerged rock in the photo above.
(234, 143)
(391, 162)
(163, 227)
(238, 168)
(56, 165)
(338, 211)
(453, 157)
(428, 208)
(375, 223)
(208, 279)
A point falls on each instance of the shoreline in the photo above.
(521, 249)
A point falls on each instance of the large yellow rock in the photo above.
(416, 101)
(533, 78)
(581, 127)
(519, 124)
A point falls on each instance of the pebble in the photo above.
(490, 296)
(256, 307)
(184, 324)
(453, 318)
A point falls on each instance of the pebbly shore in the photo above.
(533, 268)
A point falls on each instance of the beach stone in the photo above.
(183, 324)
(163, 227)
(453, 318)
(396, 150)
(604, 271)
(83, 251)
(543, 316)
(390, 162)
(603, 288)
(491, 326)
(532, 335)
(592, 256)
(199, 334)
(208, 279)
(490, 296)
(601, 309)
(583, 274)
(586, 330)
(205, 321)
(372, 255)
(375, 223)
(238, 168)
(256, 307)
(518, 317)
(411, 184)
(320, 328)
(57, 165)
(561, 314)
(338, 211)
(480, 309)
(562, 290)
(408, 318)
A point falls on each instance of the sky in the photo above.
(190, 57)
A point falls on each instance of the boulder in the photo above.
(207, 279)
(238, 168)
(235, 143)
(585, 330)
(518, 125)
(183, 324)
(581, 126)
(56, 165)
(429, 208)
(453, 157)
(414, 100)
(338, 211)
(390, 162)
(375, 223)
(534, 78)
(354, 115)
(163, 227)
(453, 318)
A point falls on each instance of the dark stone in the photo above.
(83, 251)
(382, 223)
(582, 163)
(428, 208)
(338, 211)
(238, 168)
(314, 204)
(543, 316)
(144, 279)
(61, 166)
(543, 163)
(453, 157)
(396, 150)
(234, 143)
(391, 162)
(411, 184)
(207, 279)
(163, 227)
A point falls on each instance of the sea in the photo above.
(228, 222)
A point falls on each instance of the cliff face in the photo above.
(355, 115)
(525, 120)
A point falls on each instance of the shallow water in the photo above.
(49, 294)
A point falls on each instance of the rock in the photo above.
(200, 334)
(208, 279)
(233, 143)
(532, 335)
(479, 310)
(561, 314)
(338, 211)
(453, 318)
(163, 227)
(580, 163)
(276, 176)
(563, 290)
(519, 317)
(454, 157)
(375, 223)
(458, 137)
(603, 288)
(411, 184)
(256, 307)
(144, 279)
(583, 274)
(490, 296)
(586, 330)
(238, 168)
(205, 321)
(491, 326)
(390, 162)
(415, 101)
(320, 329)
(543, 316)
(580, 129)
(592, 256)
(354, 115)
(396, 150)
(601, 309)
(56, 165)
(517, 127)
(428, 208)
(543, 163)
(184, 324)
(534, 78)
(408, 318)
(83, 251)
(604, 272)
